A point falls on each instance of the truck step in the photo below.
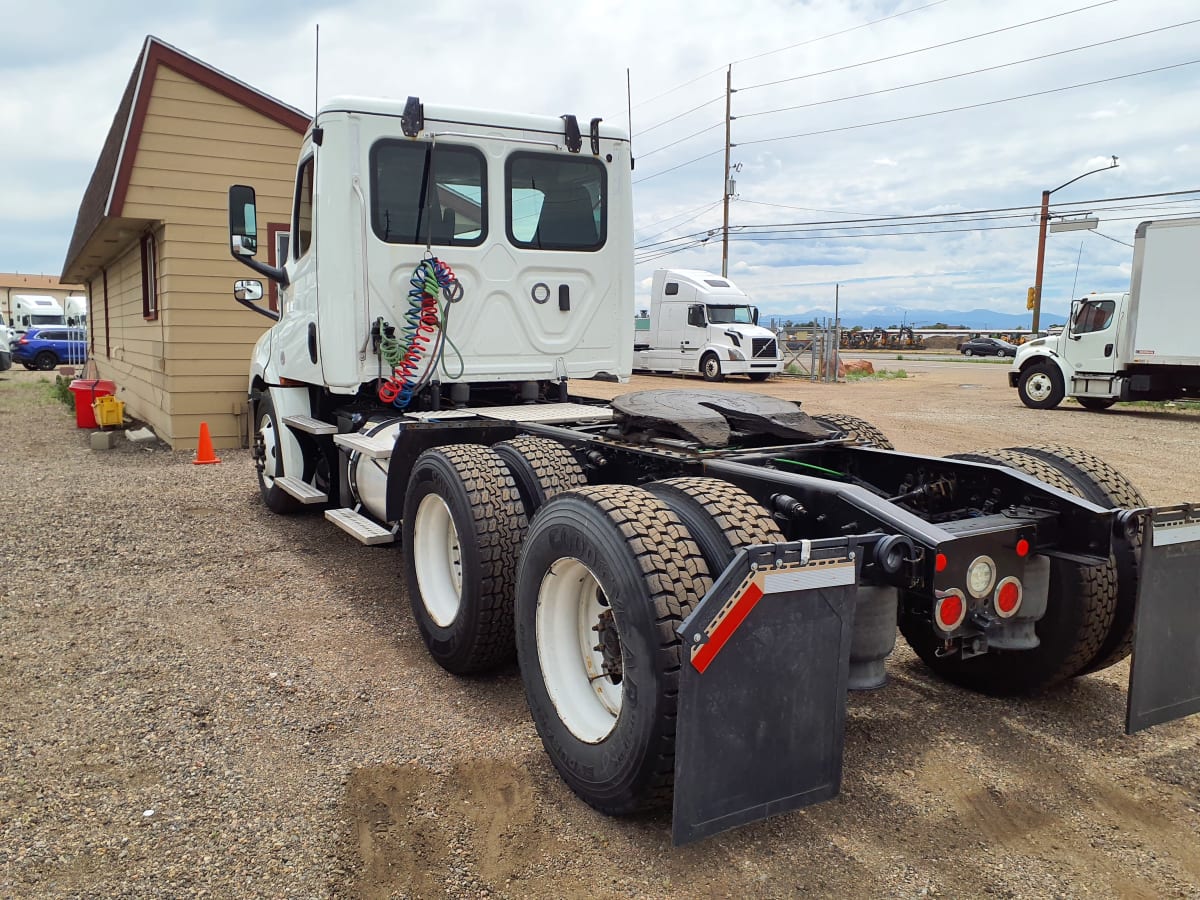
(309, 425)
(372, 448)
(301, 490)
(359, 526)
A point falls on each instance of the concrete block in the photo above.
(104, 440)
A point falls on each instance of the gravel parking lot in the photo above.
(201, 699)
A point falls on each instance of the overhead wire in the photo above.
(962, 40)
(902, 87)
(790, 47)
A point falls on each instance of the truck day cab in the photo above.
(690, 581)
(700, 322)
(1143, 344)
(33, 311)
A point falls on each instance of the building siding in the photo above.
(190, 365)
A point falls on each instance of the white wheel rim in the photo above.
(270, 450)
(586, 700)
(437, 558)
(1038, 386)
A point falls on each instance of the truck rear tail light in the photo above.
(1022, 547)
(950, 610)
(940, 562)
(1007, 599)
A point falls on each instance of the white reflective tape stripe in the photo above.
(1175, 534)
(807, 579)
(805, 552)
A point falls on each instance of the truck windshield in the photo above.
(45, 320)
(725, 315)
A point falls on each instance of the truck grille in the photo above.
(764, 347)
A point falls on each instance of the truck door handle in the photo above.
(564, 297)
(1108, 348)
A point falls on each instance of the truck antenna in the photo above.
(316, 68)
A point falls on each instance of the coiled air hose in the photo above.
(414, 355)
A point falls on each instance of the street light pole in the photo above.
(1043, 219)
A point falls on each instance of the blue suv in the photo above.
(46, 348)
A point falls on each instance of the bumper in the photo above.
(1012, 378)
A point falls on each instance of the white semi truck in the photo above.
(34, 311)
(1141, 344)
(690, 580)
(699, 322)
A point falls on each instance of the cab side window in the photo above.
(1094, 316)
(302, 215)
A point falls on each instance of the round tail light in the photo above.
(1007, 599)
(950, 610)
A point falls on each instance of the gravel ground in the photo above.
(202, 699)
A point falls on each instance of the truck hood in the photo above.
(1037, 347)
(746, 331)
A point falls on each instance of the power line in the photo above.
(901, 221)
(790, 47)
(942, 112)
(1006, 65)
(1113, 239)
(961, 40)
(680, 116)
(682, 139)
(698, 214)
(680, 166)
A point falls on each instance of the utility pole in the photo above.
(725, 185)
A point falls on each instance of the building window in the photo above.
(405, 211)
(149, 277)
(278, 240)
(302, 225)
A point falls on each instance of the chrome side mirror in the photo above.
(247, 290)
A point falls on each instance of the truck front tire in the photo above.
(607, 574)
(463, 523)
(268, 458)
(710, 367)
(1040, 386)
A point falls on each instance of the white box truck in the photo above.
(1143, 344)
(703, 323)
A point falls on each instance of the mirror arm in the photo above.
(261, 310)
(276, 274)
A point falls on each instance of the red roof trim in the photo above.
(160, 54)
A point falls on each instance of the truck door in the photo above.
(1092, 343)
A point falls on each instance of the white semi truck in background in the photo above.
(34, 311)
(76, 310)
(1141, 344)
(689, 580)
(699, 322)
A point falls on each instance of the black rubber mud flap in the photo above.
(1164, 679)
(762, 692)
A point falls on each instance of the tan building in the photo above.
(151, 244)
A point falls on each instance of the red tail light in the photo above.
(24, 339)
(950, 610)
(1007, 598)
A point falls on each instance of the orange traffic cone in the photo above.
(204, 451)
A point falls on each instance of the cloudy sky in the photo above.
(933, 124)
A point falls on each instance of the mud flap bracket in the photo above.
(1164, 679)
(762, 694)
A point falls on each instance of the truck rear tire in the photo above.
(463, 523)
(1079, 614)
(1095, 403)
(607, 574)
(710, 367)
(268, 460)
(541, 467)
(859, 430)
(1105, 486)
(1041, 386)
(720, 516)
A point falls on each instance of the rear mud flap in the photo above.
(762, 693)
(1164, 679)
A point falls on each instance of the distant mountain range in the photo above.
(975, 319)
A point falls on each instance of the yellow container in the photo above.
(109, 411)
